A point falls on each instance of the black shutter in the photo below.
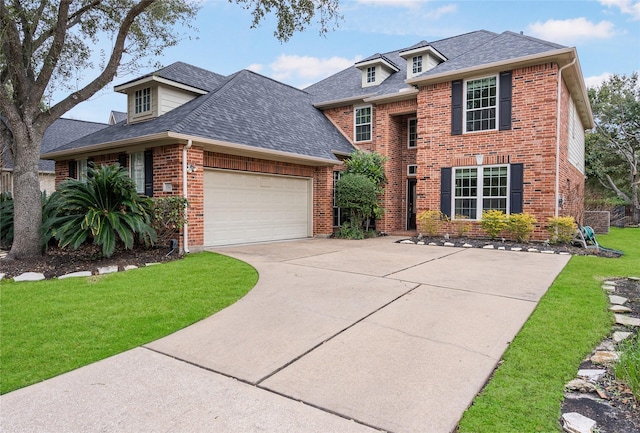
(505, 101)
(73, 169)
(445, 191)
(517, 185)
(122, 160)
(148, 172)
(456, 107)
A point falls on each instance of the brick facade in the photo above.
(530, 141)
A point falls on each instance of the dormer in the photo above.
(152, 96)
(375, 70)
(420, 59)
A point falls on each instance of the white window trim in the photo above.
(135, 102)
(480, 195)
(371, 78)
(355, 135)
(464, 104)
(409, 133)
(412, 170)
(140, 188)
(413, 64)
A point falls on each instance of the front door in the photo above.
(411, 204)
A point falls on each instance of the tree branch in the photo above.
(617, 190)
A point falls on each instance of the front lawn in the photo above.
(526, 391)
(51, 327)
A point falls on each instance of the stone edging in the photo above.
(36, 276)
(486, 247)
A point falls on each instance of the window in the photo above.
(363, 123)
(82, 170)
(481, 104)
(412, 170)
(339, 217)
(371, 74)
(412, 127)
(477, 189)
(417, 64)
(136, 171)
(143, 100)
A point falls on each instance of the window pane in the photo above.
(413, 132)
(363, 124)
(494, 188)
(137, 171)
(481, 103)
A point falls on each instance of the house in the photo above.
(60, 132)
(472, 122)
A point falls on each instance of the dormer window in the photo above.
(375, 70)
(417, 64)
(143, 100)
(371, 74)
(420, 58)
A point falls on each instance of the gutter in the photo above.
(559, 103)
(185, 227)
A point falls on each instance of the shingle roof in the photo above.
(187, 74)
(61, 132)
(118, 116)
(246, 108)
(463, 51)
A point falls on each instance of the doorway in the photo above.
(411, 204)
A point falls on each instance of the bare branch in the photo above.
(617, 190)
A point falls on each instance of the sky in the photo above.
(606, 34)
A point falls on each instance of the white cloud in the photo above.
(626, 7)
(571, 30)
(255, 67)
(442, 10)
(596, 80)
(295, 69)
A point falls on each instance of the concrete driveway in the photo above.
(337, 336)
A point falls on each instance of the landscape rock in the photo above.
(617, 300)
(129, 267)
(449, 244)
(107, 270)
(604, 357)
(488, 247)
(516, 249)
(581, 385)
(609, 289)
(533, 250)
(502, 248)
(433, 244)
(2, 276)
(547, 252)
(627, 321)
(620, 309)
(564, 253)
(467, 246)
(609, 283)
(619, 336)
(420, 243)
(75, 274)
(634, 278)
(573, 422)
(406, 241)
(591, 374)
(29, 276)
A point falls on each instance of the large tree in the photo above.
(613, 147)
(46, 44)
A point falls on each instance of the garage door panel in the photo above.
(246, 207)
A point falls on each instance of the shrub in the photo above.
(168, 217)
(357, 194)
(461, 225)
(6, 219)
(493, 222)
(371, 165)
(105, 209)
(561, 229)
(430, 221)
(628, 367)
(348, 231)
(521, 225)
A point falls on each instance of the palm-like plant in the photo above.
(105, 208)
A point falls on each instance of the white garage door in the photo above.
(246, 207)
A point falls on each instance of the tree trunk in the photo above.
(27, 204)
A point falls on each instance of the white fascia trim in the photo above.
(401, 95)
(565, 54)
(422, 50)
(169, 137)
(377, 61)
(344, 101)
(123, 87)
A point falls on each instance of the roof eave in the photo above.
(343, 101)
(402, 95)
(122, 88)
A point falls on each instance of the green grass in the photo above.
(51, 327)
(628, 368)
(526, 391)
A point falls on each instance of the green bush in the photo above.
(461, 225)
(168, 217)
(371, 165)
(357, 194)
(104, 209)
(6, 219)
(430, 222)
(493, 222)
(348, 231)
(561, 229)
(628, 367)
(521, 225)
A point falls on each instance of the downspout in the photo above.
(557, 205)
(185, 227)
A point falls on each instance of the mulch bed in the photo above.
(57, 262)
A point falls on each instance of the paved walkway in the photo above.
(337, 336)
